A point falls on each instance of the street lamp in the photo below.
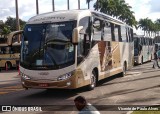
(17, 19)
(53, 5)
(17, 16)
(68, 4)
(37, 7)
(79, 4)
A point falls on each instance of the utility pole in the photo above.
(17, 16)
(79, 4)
(37, 7)
(53, 5)
(17, 19)
(97, 5)
(68, 4)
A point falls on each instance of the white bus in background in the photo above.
(72, 49)
(10, 51)
(143, 49)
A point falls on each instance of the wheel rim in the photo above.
(124, 69)
(93, 81)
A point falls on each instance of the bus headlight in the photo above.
(64, 77)
(25, 76)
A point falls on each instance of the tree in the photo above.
(143, 25)
(88, 2)
(148, 26)
(5, 31)
(118, 9)
(11, 22)
(157, 24)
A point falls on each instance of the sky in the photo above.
(27, 8)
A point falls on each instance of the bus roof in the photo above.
(158, 44)
(58, 16)
(70, 15)
(10, 36)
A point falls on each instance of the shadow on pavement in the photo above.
(130, 80)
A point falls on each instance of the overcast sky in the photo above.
(27, 8)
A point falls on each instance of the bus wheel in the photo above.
(8, 65)
(92, 85)
(141, 60)
(124, 69)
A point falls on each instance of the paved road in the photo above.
(139, 87)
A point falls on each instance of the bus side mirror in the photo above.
(75, 34)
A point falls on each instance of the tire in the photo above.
(92, 85)
(141, 60)
(124, 69)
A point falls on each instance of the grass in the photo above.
(146, 112)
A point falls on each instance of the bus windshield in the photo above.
(48, 46)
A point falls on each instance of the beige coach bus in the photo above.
(72, 49)
(10, 50)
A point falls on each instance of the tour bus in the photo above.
(143, 49)
(157, 49)
(75, 48)
(10, 51)
(157, 45)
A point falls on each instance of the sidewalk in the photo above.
(9, 77)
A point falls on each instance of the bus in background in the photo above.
(143, 49)
(10, 51)
(157, 45)
(75, 48)
(157, 49)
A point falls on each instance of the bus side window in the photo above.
(107, 32)
(117, 33)
(85, 23)
(80, 49)
(112, 32)
(131, 32)
(123, 34)
(127, 35)
(98, 29)
(84, 40)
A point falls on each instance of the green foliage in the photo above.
(11, 22)
(4, 30)
(118, 9)
(88, 2)
(146, 112)
(148, 26)
(10, 25)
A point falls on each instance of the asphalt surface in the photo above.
(141, 86)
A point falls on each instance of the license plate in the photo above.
(43, 85)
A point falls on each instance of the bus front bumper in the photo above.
(66, 84)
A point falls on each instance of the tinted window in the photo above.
(85, 23)
(123, 34)
(98, 29)
(107, 32)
